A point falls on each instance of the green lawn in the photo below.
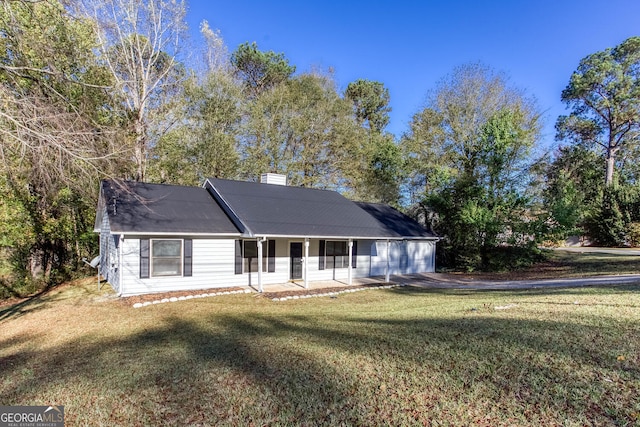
(380, 357)
(594, 263)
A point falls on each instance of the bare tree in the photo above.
(55, 109)
(140, 43)
(57, 129)
(216, 54)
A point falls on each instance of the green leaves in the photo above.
(604, 95)
(260, 70)
(370, 103)
(469, 152)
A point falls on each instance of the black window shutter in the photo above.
(271, 263)
(321, 256)
(188, 257)
(354, 254)
(238, 256)
(144, 258)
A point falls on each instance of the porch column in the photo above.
(349, 263)
(306, 263)
(388, 257)
(259, 243)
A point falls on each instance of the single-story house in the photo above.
(159, 238)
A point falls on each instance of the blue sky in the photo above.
(410, 45)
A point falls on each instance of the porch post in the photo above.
(306, 262)
(259, 243)
(349, 263)
(388, 268)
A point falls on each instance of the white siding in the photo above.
(363, 263)
(109, 257)
(421, 256)
(281, 273)
(379, 258)
(406, 257)
(214, 264)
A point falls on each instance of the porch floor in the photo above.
(298, 285)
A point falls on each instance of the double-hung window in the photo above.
(166, 258)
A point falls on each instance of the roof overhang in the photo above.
(174, 233)
(295, 236)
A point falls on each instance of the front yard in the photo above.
(401, 356)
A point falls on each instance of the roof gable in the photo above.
(135, 207)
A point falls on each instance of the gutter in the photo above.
(298, 236)
(174, 233)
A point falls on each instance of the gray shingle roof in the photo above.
(394, 221)
(135, 207)
(275, 210)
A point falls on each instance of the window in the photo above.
(250, 256)
(337, 254)
(166, 258)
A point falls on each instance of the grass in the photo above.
(406, 356)
(595, 263)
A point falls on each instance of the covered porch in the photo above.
(337, 285)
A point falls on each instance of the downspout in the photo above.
(306, 263)
(349, 274)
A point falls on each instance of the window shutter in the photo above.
(354, 254)
(144, 258)
(321, 256)
(188, 257)
(238, 257)
(271, 263)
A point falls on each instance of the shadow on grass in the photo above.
(26, 305)
(538, 290)
(599, 263)
(43, 298)
(315, 370)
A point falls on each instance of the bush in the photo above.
(507, 258)
(607, 225)
(633, 234)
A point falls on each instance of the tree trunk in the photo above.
(611, 160)
(140, 148)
